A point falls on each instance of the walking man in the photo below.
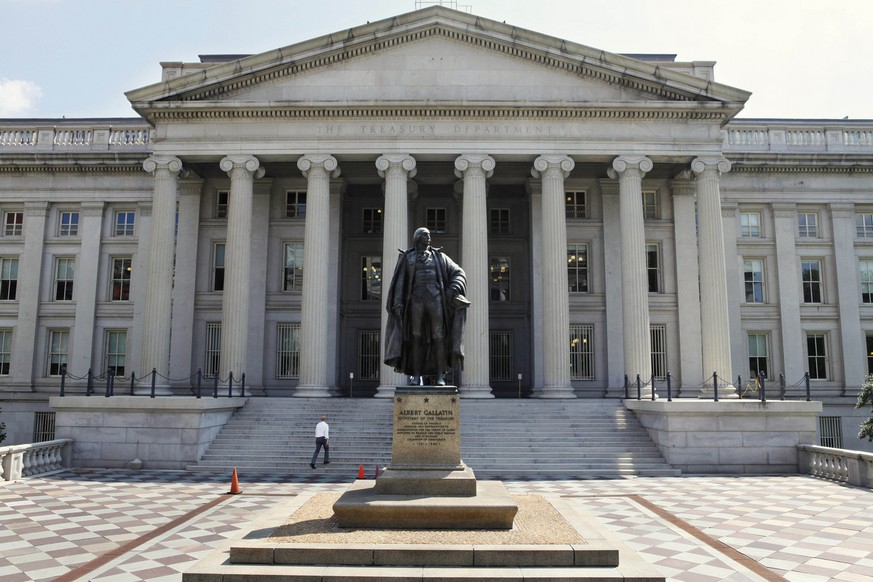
(322, 439)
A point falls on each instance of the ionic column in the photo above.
(243, 170)
(474, 169)
(714, 318)
(634, 279)
(314, 319)
(159, 272)
(397, 170)
(556, 303)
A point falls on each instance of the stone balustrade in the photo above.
(66, 137)
(27, 460)
(852, 467)
(742, 136)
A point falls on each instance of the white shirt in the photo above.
(322, 430)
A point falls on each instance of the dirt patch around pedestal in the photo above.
(536, 522)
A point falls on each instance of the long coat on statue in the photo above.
(398, 336)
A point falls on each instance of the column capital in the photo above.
(37, 208)
(682, 187)
(842, 209)
(190, 187)
(248, 163)
(542, 164)
(474, 162)
(710, 163)
(402, 162)
(783, 209)
(623, 164)
(169, 163)
(92, 208)
(324, 162)
(534, 187)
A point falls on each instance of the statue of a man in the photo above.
(426, 313)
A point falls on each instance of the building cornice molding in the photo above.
(54, 168)
(799, 168)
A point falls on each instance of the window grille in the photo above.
(807, 224)
(5, 351)
(817, 356)
(13, 223)
(830, 429)
(293, 267)
(116, 351)
(121, 270)
(65, 269)
(581, 351)
(577, 267)
(212, 359)
(499, 273)
(371, 278)
(498, 222)
(650, 205)
(812, 284)
(371, 221)
(753, 273)
(124, 223)
(864, 225)
(295, 204)
(369, 354)
(501, 363)
(43, 427)
(653, 266)
(8, 279)
(759, 359)
(221, 203)
(59, 340)
(288, 351)
(659, 351)
(218, 266)
(750, 224)
(576, 203)
(435, 220)
(68, 224)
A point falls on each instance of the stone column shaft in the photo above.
(789, 290)
(612, 265)
(159, 273)
(475, 169)
(83, 353)
(687, 287)
(848, 285)
(715, 321)
(318, 170)
(552, 170)
(397, 169)
(237, 264)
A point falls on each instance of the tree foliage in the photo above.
(2, 430)
(865, 398)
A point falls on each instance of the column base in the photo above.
(312, 392)
(476, 392)
(557, 392)
(724, 392)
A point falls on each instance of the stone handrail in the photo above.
(19, 461)
(852, 467)
(67, 137)
(801, 137)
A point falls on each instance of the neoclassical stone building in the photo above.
(613, 216)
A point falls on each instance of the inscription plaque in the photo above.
(427, 429)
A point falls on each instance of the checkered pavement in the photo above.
(117, 525)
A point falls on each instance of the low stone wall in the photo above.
(164, 433)
(729, 436)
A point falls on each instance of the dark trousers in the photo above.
(321, 442)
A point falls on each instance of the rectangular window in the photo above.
(659, 351)
(124, 222)
(499, 276)
(500, 359)
(43, 427)
(750, 224)
(116, 351)
(5, 351)
(653, 267)
(869, 353)
(13, 223)
(753, 273)
(295, 204)
(218, 266)
(68, 224)
(817, 356)
(759, 359)
(369, 354)
(830, 429)
(293, 267)
(59, 341)
(807, 224)
(288, 351)
(121, 270)
(221, 200)
(866, 281)
(576, 203)
(812, 282)
(371, 220)
(581, 351)
(8, 279)
(435, 220)
(498, 221)
(212, 357)
(65, 270)
(650, 205)
(371, 278)
(864, 225)
(577, 267)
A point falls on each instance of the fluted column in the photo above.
(474, 169)
(714, 319)
(634, 280)
(243, 170)
(314, 319)
(159, 272)
(184, 290)
(552, 170)
(397, 170)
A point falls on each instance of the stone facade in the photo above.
(243, 223)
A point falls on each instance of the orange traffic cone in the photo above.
(234, 484)
(360, 471)
(377, 471)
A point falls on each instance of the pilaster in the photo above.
(613, 265)
(182, 332)
(258, 281)
(848, 285)
(787, 289)
(535, 191)
(83, 354)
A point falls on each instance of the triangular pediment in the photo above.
(440, 58)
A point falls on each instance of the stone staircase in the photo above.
(499, 438)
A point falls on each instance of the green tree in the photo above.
(2, 430)
(866, 398)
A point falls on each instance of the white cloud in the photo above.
(18, 97)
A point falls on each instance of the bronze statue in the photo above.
(426, 307)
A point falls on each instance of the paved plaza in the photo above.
(115, 525)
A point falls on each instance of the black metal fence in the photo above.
(757, 384)
(107, 382)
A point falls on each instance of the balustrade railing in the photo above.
(17, 461)
(740, 136)
(845, 466)
(72, 136)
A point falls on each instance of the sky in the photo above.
(75, 58)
